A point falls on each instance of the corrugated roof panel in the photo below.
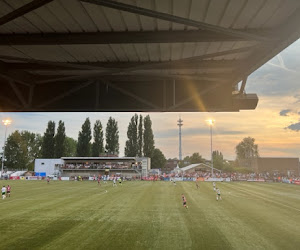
(213, 47)
(119, 52)
(142, 52)
(51, 19)
(182, 72)
(96, 13)
(188, 50)
(224, 47)
(5, 29)
(199, 10)
(234, 45)
(11, 51)
(214, 70)
(107, 52)
(265, 13)
(79, 52)
(79, 14)
(242, 44)
(148, 23)
(165, 51)
(215, 11)
(92, 53)
(64, 16)
(97, 53)
(48, 53)
(248, 12)
(232, 11)
(282, 13)
(130, 52)
(131, 20)
(20, 22)
(115, 19)
(13, 28)
(180, 8)
(154, 51)
(176, 51)
(39, 22)
(165, 7)
(167, 72)
(236, 56)
(201, 48)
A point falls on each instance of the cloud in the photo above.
(281, 64)
(294, 127)
(284, 112)
(278, 77)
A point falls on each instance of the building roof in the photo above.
(99, 158)
(168, 55)
(196, 165)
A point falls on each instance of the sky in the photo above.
(274, 124)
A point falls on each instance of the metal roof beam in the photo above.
(195, 96)
(19, 76)
(151, 66)
(18, 93)
(242, 89)
(49, 63)
(150, 78)
(63, 95)
(120, 37)
(130, 94)
(35, 4)
(177, 19)
(41, 68)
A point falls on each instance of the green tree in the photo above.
(196, 158)
(97, 146)
(84, 138)
(112, 136)
(140, 137)
(48, 145)
(131, 148)
(158, 159)
(246, 149)
(15, 151)
(246, 152)
(21, 149)
(60, 139)
(33, 144)
(70, 147)
(218, 160)
(148, 138)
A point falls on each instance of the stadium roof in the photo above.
(101, 55)
(100, 158)
(196, 165)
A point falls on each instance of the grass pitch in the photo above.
(149, 215)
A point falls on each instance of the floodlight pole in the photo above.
(3, 156)
(211, 152)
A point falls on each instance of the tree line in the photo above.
(246, 151)
(22, 147)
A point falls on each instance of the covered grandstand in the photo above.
(91, 166)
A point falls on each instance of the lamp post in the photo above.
(6, 123)
(210, 123)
